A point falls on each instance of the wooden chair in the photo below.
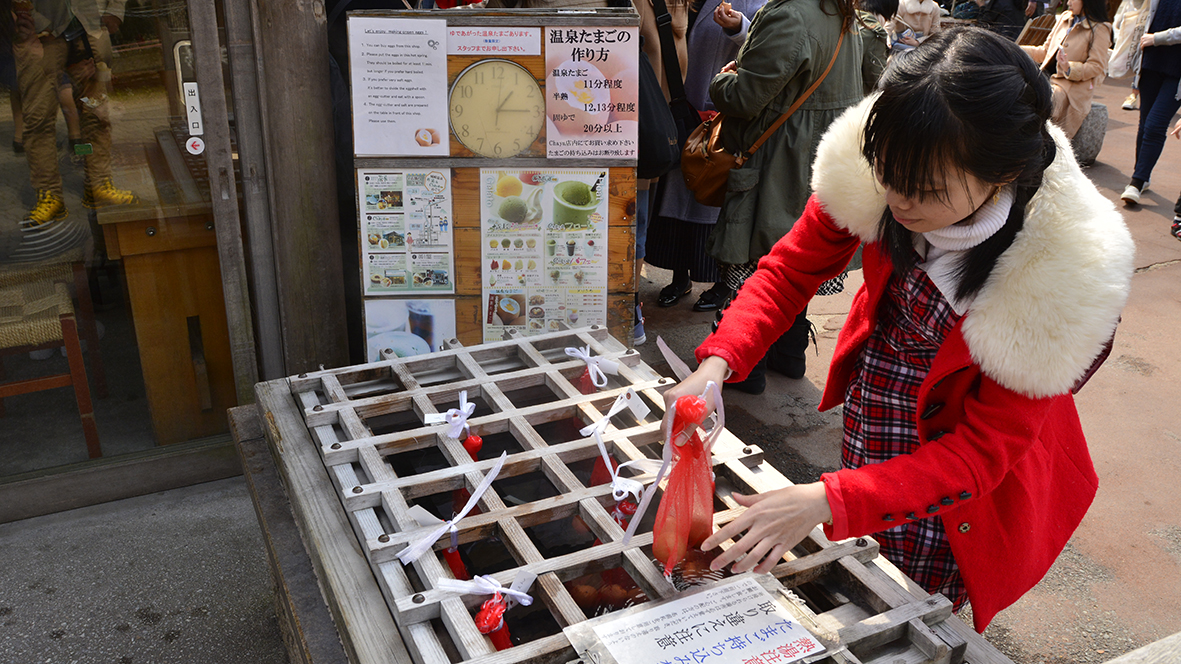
(40, 315)
(67, 269)
(1036, 30)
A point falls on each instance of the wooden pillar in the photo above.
(297, 116)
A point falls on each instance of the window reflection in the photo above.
(106, 237)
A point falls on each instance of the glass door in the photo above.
(113, 321)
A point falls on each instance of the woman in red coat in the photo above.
(995, 273)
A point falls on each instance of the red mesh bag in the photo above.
(685, 517)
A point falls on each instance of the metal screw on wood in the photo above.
(594, 327)
(357, 489)
(151, 231)
(388, 351)
(303, 375)
(317, 408)
(336, 446)
(209, 226)
(747, 450)
(383, 538)
(453, 341)
(861, 542)
(418, 598)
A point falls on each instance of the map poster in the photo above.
(592, 85)
(406, 235)
(543, 245)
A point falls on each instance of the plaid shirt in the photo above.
(880, 418)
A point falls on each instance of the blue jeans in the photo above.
(1158, 103)
(641, 223)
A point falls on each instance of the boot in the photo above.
(105, 194)
(786, 355)
(50, 207)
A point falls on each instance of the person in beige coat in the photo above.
(1075, 54)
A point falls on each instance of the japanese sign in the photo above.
(472, 40)
(399, 86)
(406, 244)
(735, 622)
(592, 92)
(407, 327)
(543, 244)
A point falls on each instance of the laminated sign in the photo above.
(735, 621)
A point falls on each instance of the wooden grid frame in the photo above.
(858, 603)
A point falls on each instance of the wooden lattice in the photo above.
(365, 421)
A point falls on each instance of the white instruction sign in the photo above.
(734, 622)
(399, 84)
(475, 40)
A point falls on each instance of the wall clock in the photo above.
(496, 108)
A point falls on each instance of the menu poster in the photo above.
(407, 327)
(543, 245)
(399, 86)
(406, 241)
(592, 85)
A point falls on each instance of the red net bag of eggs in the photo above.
(685, 516)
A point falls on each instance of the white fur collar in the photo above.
(1054, 297)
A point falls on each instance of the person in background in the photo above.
(1075, 54)
(995, 274)
(1176, 229)
(1006, 17)
(1128, 27)
(872, 16)
(1158, 78)
(913, 23)
(788, 48)
(679, 229)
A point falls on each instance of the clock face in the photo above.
(496, 108)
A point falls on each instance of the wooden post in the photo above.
(292, 42)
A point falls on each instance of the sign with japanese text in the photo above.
(471, 40)
(592, 87)
(406, 245)
(736, 622)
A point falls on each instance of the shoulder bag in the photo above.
(706, 164)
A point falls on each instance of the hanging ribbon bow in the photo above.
(596, 366)
(621, 487)
(456, 418)
(486, 585)
(667, 457)
(412, 552)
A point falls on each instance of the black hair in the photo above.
(845, 9)
(1095, 11)
(969, 98)
(884, 8)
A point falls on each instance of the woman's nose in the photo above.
(896, 200)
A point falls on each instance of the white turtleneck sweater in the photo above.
(944, 248)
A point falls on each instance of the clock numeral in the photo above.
(478, 76)
(481, 140)
(463, 131)
(457, 110)
(465, 91)
(517, 146)
(497, 150)
(498, 72)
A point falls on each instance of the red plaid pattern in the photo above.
(880, 419)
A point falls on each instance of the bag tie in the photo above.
(621, 487)
(456, 418)
(412, 552)
(486, 585)
(595, 366)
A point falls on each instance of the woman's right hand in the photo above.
(712, 368)
(1176, 130)
(730, 68)
(730, 20)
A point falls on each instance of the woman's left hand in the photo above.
(1176, 130)
(729, 19)
(730, 67)
(1147, 40)
(1063, 63)
(774, 522)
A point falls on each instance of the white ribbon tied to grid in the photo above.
(595, 365)
(621, 487)
(456, 418)
(667, 457)
(486, 585)
(412, 552)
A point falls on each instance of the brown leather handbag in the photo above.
(706, 164)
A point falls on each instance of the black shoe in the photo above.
(712, 299)
(18, 147)
(670, 294)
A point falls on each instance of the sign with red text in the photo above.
(592, 89)
(471, 40)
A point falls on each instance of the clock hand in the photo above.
(506, 98)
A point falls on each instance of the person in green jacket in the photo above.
(788, 47)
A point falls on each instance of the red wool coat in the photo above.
(1003, 461)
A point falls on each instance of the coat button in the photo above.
(888, 517)
(965, 527)
(947, 500)
(912, 517)
(932, 410)
(936, 436)
(965, 495)
(932, 509)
